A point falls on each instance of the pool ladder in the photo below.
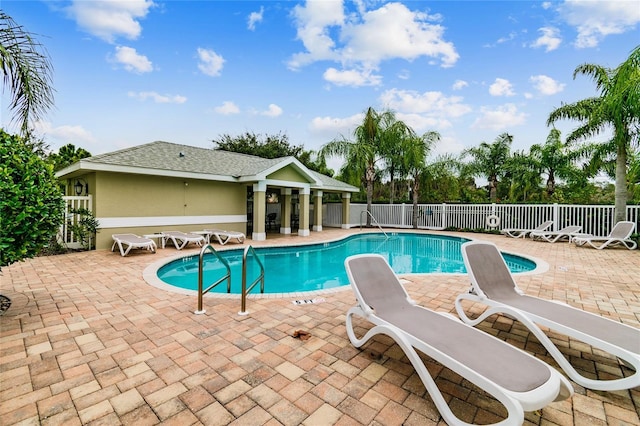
(374, 219)
(202, 291)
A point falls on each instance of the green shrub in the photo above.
(86, 227)
(31, 206)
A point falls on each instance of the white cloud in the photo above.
(313, 22)
(132, 60)
(332, 127)
(76, 135)
(422, 122)
(110, 19)
(409, 101)
(273, 111)
(227, 108)
(547, 5)
(546, 85)
(549, 39)
(394, 31)
(448, 145)
(512, 35)
(459, 85)
(210, 62)
(502, 117)
(501, 87)
(352, 78)
(404, 74)
(424, 111)
(254, 18)
(158, 98)
(366, 38)
(594, 20)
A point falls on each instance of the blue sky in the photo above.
(132, 72)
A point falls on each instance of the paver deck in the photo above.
(88, 341)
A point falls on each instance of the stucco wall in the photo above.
(288, 173)
(139, 204)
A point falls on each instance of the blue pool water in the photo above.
(321, 266)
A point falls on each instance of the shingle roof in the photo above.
(166, 156)
(331, 183)
(170, 156)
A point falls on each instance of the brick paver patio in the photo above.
(88, 341)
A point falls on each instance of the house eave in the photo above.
(98, 167)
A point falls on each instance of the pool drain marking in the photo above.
(308, 301)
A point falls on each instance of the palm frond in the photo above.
(26, 70)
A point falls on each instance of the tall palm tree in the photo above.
(616, 107)
(368, 151)
(26, 70)
(523, 173)
(415, 151)
(489, 160)
(441, 183)
(394, 136)
(554, 159)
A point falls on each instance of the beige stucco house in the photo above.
(164, 186)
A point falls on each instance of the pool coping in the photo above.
(150, 273)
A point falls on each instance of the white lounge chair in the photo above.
(492, 284)
(131, 241)
(224, 237)
(181, 239)
(619, 235)
(552, 236)
(523, 232)
(519, 381)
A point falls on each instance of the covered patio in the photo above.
(87, 341)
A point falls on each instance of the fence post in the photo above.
(402, 215)
(555, 216)
(444, 215)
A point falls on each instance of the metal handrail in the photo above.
(201, 274)
(245, 291)
(374, 219)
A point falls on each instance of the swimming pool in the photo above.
(321, 266)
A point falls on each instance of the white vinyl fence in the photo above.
(594, 219)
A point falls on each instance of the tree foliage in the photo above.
(368, 152)
(26, 71)
(271, 146)
(67, 155)
(618, 107)
(489, 160)
(415, 151)
(31, 207)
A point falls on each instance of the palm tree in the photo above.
(393, 138)
(523, 172)
(489, 160)
(616, 107)
(368, 151)
(415, 151)
(554, 159)
(440, 183)
(26, 70)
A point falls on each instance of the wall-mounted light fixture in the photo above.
(81, 185)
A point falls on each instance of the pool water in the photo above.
(321, 266)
